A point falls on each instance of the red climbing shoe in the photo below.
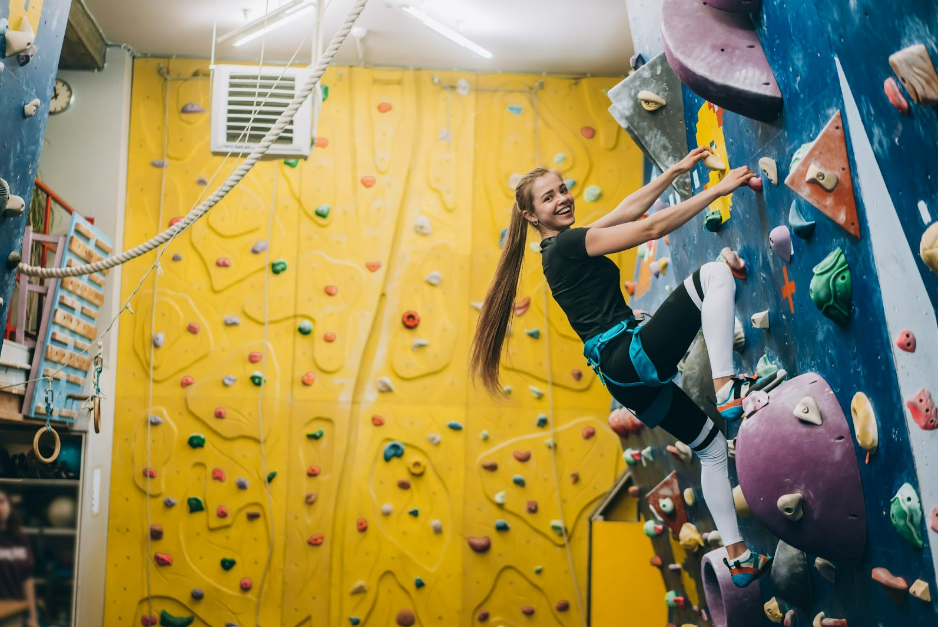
(744, 572)
(730, 397)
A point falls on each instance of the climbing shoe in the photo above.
(744, 572)
(730, 397)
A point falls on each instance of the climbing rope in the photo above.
(259, 151)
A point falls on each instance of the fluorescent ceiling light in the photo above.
(266, 23)
(447, 32)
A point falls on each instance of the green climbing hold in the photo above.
(168, 620)
(538, 570)
(257, 378)
(518, 480)
(354, 620)
(558, 527)
(570, 183)
(542, 420)
(305, 327)
(713, 221)
(455, 426)
(197, 440)
(535, 333)
(501, 525)
(324, 90)
(592, 193)
(271, 475)
(832, 288)
(227, 563)
(414, 512)
(278, 266)
(484, 435)
(642, 250)
(560, 158)
(418, 582)
(315, 435)
(653, 529)
(799, 154)
(905, 511)
(671, 598)
(195, 504)
(765, 367)
(536, 392)
(291, 163)
(322, 211)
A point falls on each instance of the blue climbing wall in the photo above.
(803, 50)
(21, 137)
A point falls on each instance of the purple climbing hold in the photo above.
(159, 163)
(191, 107)
(729, 606)
(158, 340)
(197, 594)
(637, 61)
(229, 380)
(202, 181)
(169, 501)
(777, 456)
(737, 6)
(718, 55)
(232, 321)
(242, 483)
(177, 257)
(259, 247)
(780, 240)
(155, 420)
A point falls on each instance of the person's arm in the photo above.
(29, 591)
(614, 239)
(638, 202)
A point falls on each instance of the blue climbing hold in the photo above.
(501, 525)
(501, 237)
(515, 109)
(801, 227)
(414, 512)
(455, 426)
(542, 420)
(535, 333)
(418, 582)
(518, 479)
(392, 450)
(354, 620)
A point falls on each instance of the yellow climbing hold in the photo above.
(690, 538)
(742, 507)
(772, 611)
(864, 422)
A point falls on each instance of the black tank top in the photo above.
(586, 288)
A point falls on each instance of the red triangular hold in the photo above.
(829, 154)
(669, 488)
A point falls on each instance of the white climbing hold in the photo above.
(436, 525)
(31, 107)
(434, 438)
(434, 278)
(807, 411)
(827, 180)
(359, 587)
(826, 569)
(536, 392)
(535, 246)
(714, 539)
(419, 344)
(689, 497)
(15, 206)
(919, 589)
(791, 505)
(422, 225)
(714, 162)
(770, 169)
(513, 180)
(760, 320)
(731, 448)
(742, 507)
(477, 305)
(18, 41)
(650, 100)
(500, 498)
(462, 87)
(484, 435)
(386, 509)
(384, 384)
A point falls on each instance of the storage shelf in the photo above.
(38, 483)
(48, 531)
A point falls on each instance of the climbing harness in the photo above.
(647, 373)
(55, 436)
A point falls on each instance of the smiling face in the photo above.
(553, 204)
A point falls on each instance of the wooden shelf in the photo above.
(49, 531)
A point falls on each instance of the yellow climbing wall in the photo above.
(409, 179)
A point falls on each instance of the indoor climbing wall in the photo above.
(837, 463)
(314, 452)
(31, 34)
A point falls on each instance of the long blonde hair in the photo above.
(498, 307)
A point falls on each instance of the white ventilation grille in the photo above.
(241, 93)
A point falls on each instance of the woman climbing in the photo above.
(635, 361)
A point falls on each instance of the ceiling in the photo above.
(551, 36)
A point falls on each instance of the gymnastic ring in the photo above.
(58, 445)
(410, 319)
(97, 414)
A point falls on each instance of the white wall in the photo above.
(84, 161)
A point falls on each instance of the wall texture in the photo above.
(806, 54)
(395, 151)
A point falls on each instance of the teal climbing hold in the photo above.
(393, 449)
(558, 527)
(542, 420)
(354, 620)
(592, 193)
(536, 392)
(305, 327)
(418, 582)
(518, 480)
(538, 570)
(195, 504)
(501, 525)
(484, 435)
(414, 512)
(671, 598)
(168, 620)
(292, 163)
(801, 227)
(535, 333)
(271, 475)
(227, 563)
(831, 288)
(515, 109)
(324, 90)
(197, 440)
(765, 367)
(559, 158)
(570, 183)
(642, 250)
(322, 211)
(455, 426)
(315, 435)
(278, 266)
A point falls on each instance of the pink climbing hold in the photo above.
(479, 545)
(149, 621)
(254, 357)
(246, 584)
(906, 341)
(192, 328)
(522, 456)
(625, 423)
(895, 96)
(896, 587)
(176, 220)
(149, 473)
(588, 432)
(780, 241)
(377, 420)
(368, 181)
(308, 379)
(329, 336)
(531, 507)
(163, 559)
(933, 520)
(922, 408)
(218, 474)
(221, 511)
(316, 539)
(331, 290)
(588, 132)
(223, 262)
(527, 610)
(790, 619)
(755, 184)
(373, 266)
(186, 381)
(220, 413)
(482, 616)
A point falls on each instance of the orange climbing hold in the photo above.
(176, 220)
(588, 132)
(163, 559)
(368, 181)
(410, 319)
(563, 605)
(521, 307)
(316, 539)
(331, 290)
(377, 420)
(254, 357)
(406, 617)
(384, 107)
(531, 507)
(149, 473)
(313, 471)
(906, 341)
(221, 511)
(482, 616)
(373, 266)
(479, 545)
(308, 378)
(361, 524)
(630, 287)
(218, 474)
(403, 484)
(522, 456)
(192, 328)
(322, 142)
(246, 584)
(223, 262)
(490, 466)
(329, 336)
(576, 374)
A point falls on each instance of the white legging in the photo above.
(717, 307)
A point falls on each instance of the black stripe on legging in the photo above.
(707, 440)
(697, 285)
